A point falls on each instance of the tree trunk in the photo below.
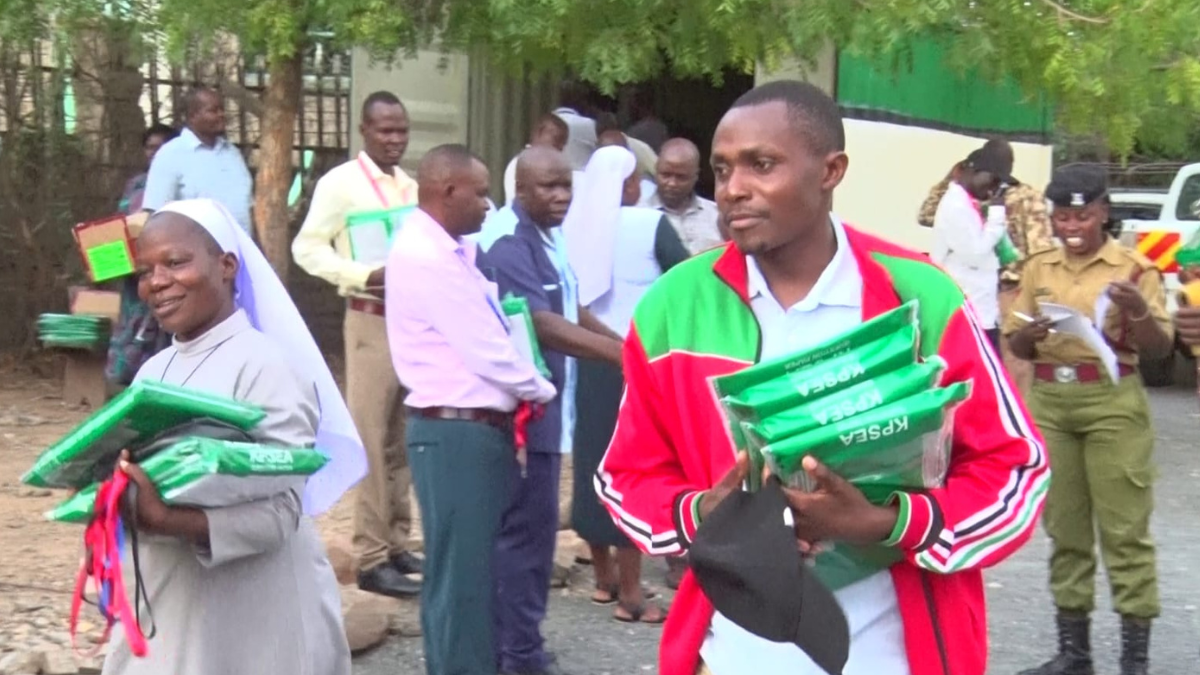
(281, 102)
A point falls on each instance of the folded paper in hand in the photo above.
(1070, 322)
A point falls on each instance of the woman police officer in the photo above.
(1097, 431)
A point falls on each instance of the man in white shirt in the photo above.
(964, 242)
(692, 216)
(201, 162)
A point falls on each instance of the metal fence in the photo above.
(72, 114)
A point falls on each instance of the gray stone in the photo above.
(22, 663)
(342, 559)
(367, 618)
(60, 662)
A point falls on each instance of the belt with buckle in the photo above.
(366, 305)
(495, 418)
(1083, 372)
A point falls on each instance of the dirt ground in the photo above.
(38, 558)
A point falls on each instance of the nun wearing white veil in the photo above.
(245, 588)
(617, 251)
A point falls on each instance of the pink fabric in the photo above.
(448, 339)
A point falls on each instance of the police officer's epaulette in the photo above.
(1042, 254)
(1144, 264)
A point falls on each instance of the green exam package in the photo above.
(209, 473)
(132, 418)
(864, 405)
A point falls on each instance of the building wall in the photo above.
(892, 168)
(434, 89)
(893, 165)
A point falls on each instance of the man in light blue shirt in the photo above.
(201, 162)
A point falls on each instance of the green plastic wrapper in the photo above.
(870, 331)
(860, 398)
(879, 450)
(131, 418)
(208, 473)
(903, 446)
(521, 331)
(800, 389)
(370, 233)
(74, 331)
(1006, 252)
(1189, 256)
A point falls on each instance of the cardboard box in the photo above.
(83, 376)
(83, 379)
(96, 303)
(136, 223)
(105, 247)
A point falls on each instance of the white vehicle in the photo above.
(1159, 222)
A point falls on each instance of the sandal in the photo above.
(604, 596)
(637, 614)
(611, 595)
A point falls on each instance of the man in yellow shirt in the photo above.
(370, 182)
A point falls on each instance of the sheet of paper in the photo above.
(369, 242)
(521, 335)
(109, 261)
(1101, 311)
(1069, 322)
(399, 215)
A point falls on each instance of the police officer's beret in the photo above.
(1077, 185)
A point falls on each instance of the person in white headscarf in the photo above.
(617, 251)
(245, 588)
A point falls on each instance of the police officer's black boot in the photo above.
(1074, 647)
(1135, 645)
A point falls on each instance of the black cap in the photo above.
(985, 159)
(745, 559)
(1077, 185)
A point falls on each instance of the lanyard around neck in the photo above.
(374, 184)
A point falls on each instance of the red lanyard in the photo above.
(104, 538)
(374, 184)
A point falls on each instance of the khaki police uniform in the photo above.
(1098, 433)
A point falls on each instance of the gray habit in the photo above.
(262, 599)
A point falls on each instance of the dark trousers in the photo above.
(458, 469)
(523, 564)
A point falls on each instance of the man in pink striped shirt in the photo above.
(450, 346)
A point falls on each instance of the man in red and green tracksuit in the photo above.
(794, 276)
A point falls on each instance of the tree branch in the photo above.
(1064, 12)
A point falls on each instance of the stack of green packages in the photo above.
(193, 470)
(862, 404)
(74, 331)
(131, 419)
(521, 331)
(204, 473)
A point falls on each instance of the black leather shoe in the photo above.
(385, 580)
(406, 563)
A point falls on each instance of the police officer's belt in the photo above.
(1082, 372)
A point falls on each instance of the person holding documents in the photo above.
(796, 277)
(344, 240)
(625, 249)
(964, 241)
(451, 349)
(532, 263)
(1093, 412)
